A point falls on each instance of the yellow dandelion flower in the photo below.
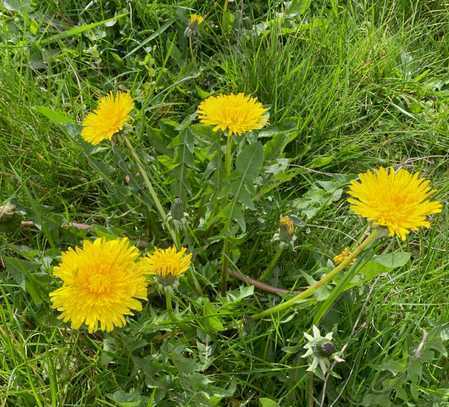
(287, 224)
(168, 264)
(108, 118)
(102, 283)
(195, 19)
(345, 253)
(397, 200)
(233, 113)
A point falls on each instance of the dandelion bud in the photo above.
(7, 212)
(177, 209)
(286, 228)
(345, 253)
(194, 22)
(10, 218)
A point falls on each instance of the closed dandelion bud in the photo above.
(7, 212)
(10, 218)
(177, 209)
(345, 254)
(194, 22)
(286, 228)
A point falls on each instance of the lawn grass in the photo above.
(350, 84)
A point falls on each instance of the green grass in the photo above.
(351, 84)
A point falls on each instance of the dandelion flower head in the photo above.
(195, 19)
(234, 113)
(342, 256)
(286, 222)
(397, 200)
(168, 264)
(108, 118)
(103, 282)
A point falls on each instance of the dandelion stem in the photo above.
(267, 273)
(258, 284)
(223, 17)
(195, 282)
(224, 264)
(228, 172)
(152, 192)
(169, 303)
(191, 49)
(228, 155)
(324, 279)
(310, 401)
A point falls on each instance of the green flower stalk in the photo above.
(326, 278)
(153, 194)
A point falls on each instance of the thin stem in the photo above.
(225, 9)
(195, 282)
(228, 172)
(191, 48)
(235, 272)
(310, 401)
(168, 303)
(326, 278)
(228, 155)
(152, 192)
(267, 273)
(224, 264)
(258, 284)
